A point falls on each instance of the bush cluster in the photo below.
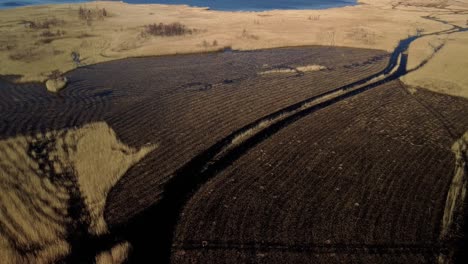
(173, 29)
(88, 14)
(47, 23)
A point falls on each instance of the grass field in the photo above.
(54, 187)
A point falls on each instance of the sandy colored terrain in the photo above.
(35, 52)
(42, 174)
(447, 71)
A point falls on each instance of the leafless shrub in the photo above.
(419, 31)
(363, 35)
(49, 36)
(76, 58)
(49, 33)
(103, 12)
(207, 44)
(166, 30)
(89, 15)
(7, 45)
(314, 17)
(56, 74)
(44, 24)
(57, 52)
(247, 35)
(26, 55)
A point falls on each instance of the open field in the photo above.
(38, 40)
(368, 175)
(319, 152)
(158, 101)
(327, 153)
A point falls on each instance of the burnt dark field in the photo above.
(291, 166)
(364, 180)
(183, 103)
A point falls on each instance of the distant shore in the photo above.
(38, 40)
(220, 5)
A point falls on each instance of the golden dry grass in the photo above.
(457, 193)
(422, 49)
(446, 71)
(118, 254)
(311, 68)
(378, 24)
(34, 193)
(33, 209)
(373, 24)
(286, 70)
(118, 35)
(306, 68)
(55, 85)
(98, 172)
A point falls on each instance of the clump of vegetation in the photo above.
(76, 58)
(89, 15)
(166, 30)
(7, 45)
(206, 44)
(55, 74)
(314, 17)
(50, 34)
(56, 81)
(247, 35)
(363, 35)
(44, 24)
(26, 55)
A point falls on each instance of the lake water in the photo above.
(228, 5)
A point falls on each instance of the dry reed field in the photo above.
(53, 191)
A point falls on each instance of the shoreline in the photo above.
(375, 24)
(357, 2)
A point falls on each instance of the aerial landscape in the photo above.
(215, 131)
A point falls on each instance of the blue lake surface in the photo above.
(228, 5)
